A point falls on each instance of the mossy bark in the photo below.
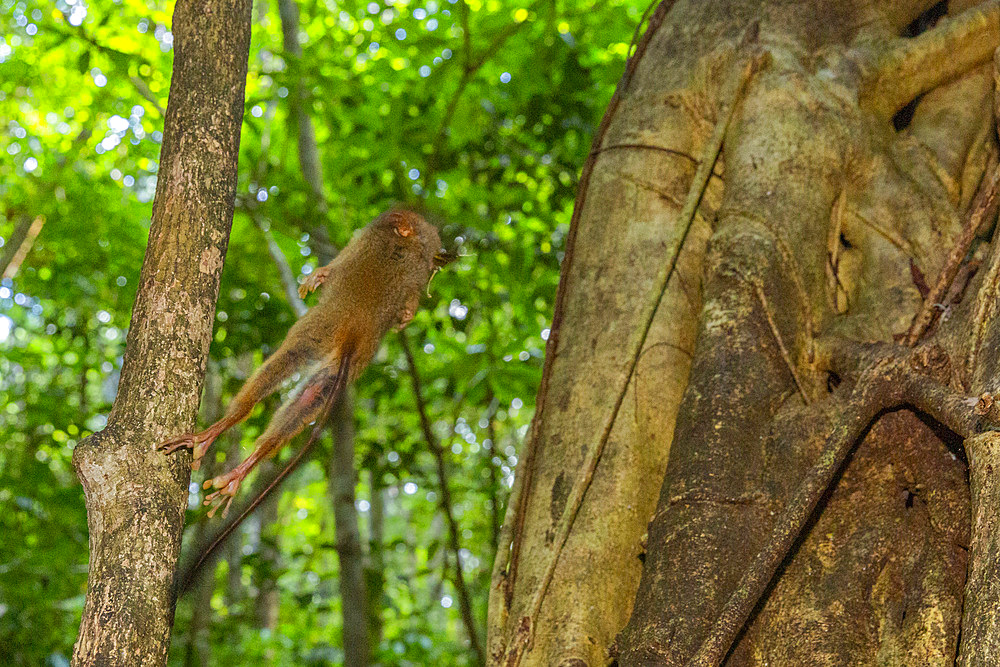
(819, 223)
(136, 496)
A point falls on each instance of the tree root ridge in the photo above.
(897, 380)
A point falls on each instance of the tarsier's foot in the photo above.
(227, 485)
(197, 442)
(313, 281)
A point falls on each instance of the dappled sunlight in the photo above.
(480, 113)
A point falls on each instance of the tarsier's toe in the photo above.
(226, 487)
(219, 499)
(226, 484)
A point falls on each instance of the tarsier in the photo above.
(372, 286)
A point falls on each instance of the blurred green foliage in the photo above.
(481, 110)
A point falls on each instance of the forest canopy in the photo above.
(479, 112)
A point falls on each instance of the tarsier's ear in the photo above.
(401, 224)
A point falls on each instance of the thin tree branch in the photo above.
(466, 35)
(288, 283)
(116, 56)
(19, 244)
(982, 209)
(136, 499)
(434, 446)
(469, 69)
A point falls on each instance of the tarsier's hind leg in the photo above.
(312, 402)
(278, 367)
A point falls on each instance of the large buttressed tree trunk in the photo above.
(689, 382)
(135, 495)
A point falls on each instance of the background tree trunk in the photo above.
(827, 207)
(342, 480)
(375, 570)
(135, 495)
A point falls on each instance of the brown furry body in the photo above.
(372, 286)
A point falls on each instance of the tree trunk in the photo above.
(267, 605)
(135, 495)
(375, 572)
(822, 214)
(342, 479)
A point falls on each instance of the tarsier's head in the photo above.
(409, 230)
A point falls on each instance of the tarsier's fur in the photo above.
(372, 286)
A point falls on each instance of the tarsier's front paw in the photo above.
(198, 442)
(313, 281)
(405, 317)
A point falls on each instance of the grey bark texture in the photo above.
(819, 222)
(136, 496)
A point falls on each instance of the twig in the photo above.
(466, 35)
(464, 600)
(469, 69)
(983, 207)
(288, 283)
(115, 55)
(748, 67)
(19, 244)
(776, 332)
(638, 27)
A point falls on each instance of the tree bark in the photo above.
(342, 477)
(135, 495)
(267, 605)
(818, 221)
(375, 571)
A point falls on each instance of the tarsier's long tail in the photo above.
(333, 387)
